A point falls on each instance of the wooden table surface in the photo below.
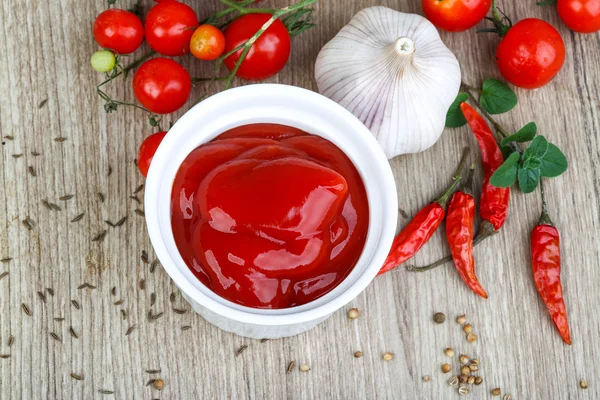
(47, 91)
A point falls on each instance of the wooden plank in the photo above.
(45, 55)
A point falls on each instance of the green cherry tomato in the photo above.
(103, 61)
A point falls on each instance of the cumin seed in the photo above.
(72, 332)
(140, 212)
(264, 340)
(46, 204)
(11, 340)
(403, 213)
(78, 218)
(144, 257)
(186, 327)
(35, 153)
(100, 237)
(152, 299)
(31, 170)
(4, 355)
(241, 350)
(153, 266)
(82, 286)
(60, 139)
(138, 189)
(135, 198)
(123, 314)
(42, 103)
(76, 377)
(55, 337)
(76, 304)
(109, 223)
(121, 221)
(130, 329)
(290, 367)
(153, 371)
(150, 382)
(109, 171)
(157, 316)
(101, 196)
(118, 303)
(17, 155)
(104, 391)
(59, 319)
(113, 291)
(42, 296)
(179, 310)
(9, 137)
(172, 297)
(4, 275)
(50, 291)
(5, 260)
(55, 207)
(142, 284)
(29, 224)
(66, 197)
(26, 309)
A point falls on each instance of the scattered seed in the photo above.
(142, 284)
(60, 139)
(465, 370)
(388, 356)
(4, 355)
(78, 218)
(29, 224)
(449, 352)
(461, 319)
(17, 155)
(42, 103)
(31, 170)
(474, 367)
(118, 302)
(478, 380)
(42, 296)
(150, 382)
(109, 223)
(507, 397)
(463, 378)
(153, 266)
(358, 354)
(55, 337)
(353, 313)
(475, 361)
(113, 291)
(157, 316)
(55, 207)
(153, 371)
(135, 162)
(439, 318)
(468, 328)
(144, 257)
(50, 291)
(290, 367)
(264, 340)
(159, 384)
(104, 391)
(453, 381)
(583, 383)
(123, 314)
(121, 221)
(186, 327)
(76, 377)
(134, 197)
(471, 337)
(496, 392)
(403, 213)
(11, 340)
(140, 212)
(59, 319)
(304, 368)
(5, 260)
(26, 309)
(150, 315)
(152, 299)
(130, 329)
(46, 204)
(426, 378)
(66, 197)
(35, 153)
(446, 368)
(101, 197)
(72, 332)
(179, 310)
(172, 297)
(4, 275)
(464, 359)
(138, 189)
(9, 137)
(100, 237)
(471, 380)
(241, 350)
(464, 390)
(82, 286)
(109, 171)
(75, 304)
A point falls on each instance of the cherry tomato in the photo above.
(208, 43)
(267, 56)
(456, 15)
(119, 30)
(162, 85)
(169, 27)
(531, 53)
(580, 15)
(147, 150)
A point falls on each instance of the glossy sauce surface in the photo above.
(268, 216)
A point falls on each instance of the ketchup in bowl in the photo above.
(269, 216)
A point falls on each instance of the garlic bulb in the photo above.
(393, 72)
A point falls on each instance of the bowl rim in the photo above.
(281, 95)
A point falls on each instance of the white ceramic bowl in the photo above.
(286, 105)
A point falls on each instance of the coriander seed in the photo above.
(388, 356)
(507, 397)
(353, 313)
(358, 354)
(478, 380)
(496, 392)
(471, 337)
(463, 378)
(446, 368)
(449, 352)
(471, 380)
(474, 367)
(439, 318)
(583, 383)
(426, 378)
(464, 359)
(464, 370)
(453, 381)
(475, 361)
(468, 328)
(304, 368)
(158, 384)
(464, 390)
(461, 319)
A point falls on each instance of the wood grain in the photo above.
(44, 53)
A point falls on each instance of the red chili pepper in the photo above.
(418, 231)
(545, 261)
(494, 201)
(459, 231)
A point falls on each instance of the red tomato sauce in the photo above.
(268, 216)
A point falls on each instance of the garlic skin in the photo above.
(393, 72)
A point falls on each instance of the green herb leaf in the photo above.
(554, 162)
(537, 148)
(506, 151)
(506, 175)
(497, 97)
(529, 178)
(525, 134)
(455, 117)
(546, 3)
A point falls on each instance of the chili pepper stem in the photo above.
(456, 179)
(545, 218)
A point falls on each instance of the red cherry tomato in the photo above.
(456, 15)
(162, 85)
(208, 43)
(267, 56)
(119, 30)
(169, 27)
(147, 150)
(580, 15)
(531, 53)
